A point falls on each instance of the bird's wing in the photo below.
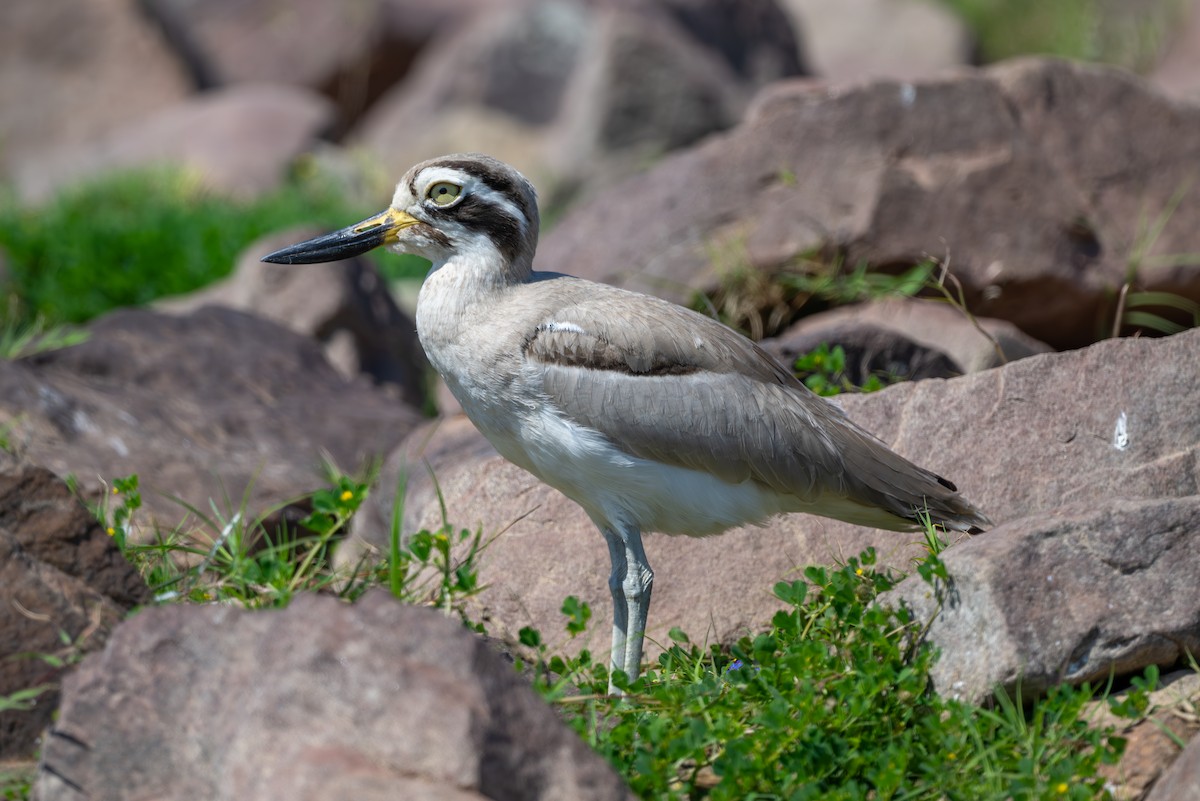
(667, 384)
(664, 383)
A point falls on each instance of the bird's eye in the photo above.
(443, 193)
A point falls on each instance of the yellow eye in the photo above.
(443, 193)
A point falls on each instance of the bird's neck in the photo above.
(458, 291)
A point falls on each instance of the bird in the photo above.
(650, 416)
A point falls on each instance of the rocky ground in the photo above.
(686, 144)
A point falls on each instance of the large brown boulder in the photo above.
(1036, 202)
(216, 406)
(239, 141)
(70, 72)
(1067, 595)
(345, 305)
(613, 84)
(63, 586)
(1181, 781)
(855, 40)
(321, 700)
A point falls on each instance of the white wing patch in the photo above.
(556, 326)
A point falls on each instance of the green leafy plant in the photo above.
(823, 370)
(16, 782)
(231, 557)
(832, 701)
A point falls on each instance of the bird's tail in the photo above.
(879, 477)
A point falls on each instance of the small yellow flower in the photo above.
(1061, 788)
(951, 756)
(858, 571)
(347, 495)
(116, 491)
(111, 531)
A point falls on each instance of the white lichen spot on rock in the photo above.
(1120, 439)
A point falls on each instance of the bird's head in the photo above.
(465, 206)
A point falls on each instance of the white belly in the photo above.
(614, 487)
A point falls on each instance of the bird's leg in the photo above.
(636, 586)
(616, 555)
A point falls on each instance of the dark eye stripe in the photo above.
(479, 215)
(495, 180)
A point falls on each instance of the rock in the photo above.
(613, 85)
(264, 41)
(374, 700)
(344, 305)
(215, 405)
(70, 72)
(986, 168)
(1020, 440)
(755, 38)
(929, 323)
(1151, 740)
(61, 576)
(239, 141)
(350, 52)
(871, 351)
(1178, 73)
(856, 40)
(1181, 781)
(1069, 595)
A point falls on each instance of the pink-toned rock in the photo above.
(302, 43)
(1066, 595)
(239, 141)
(614, 84)
(855, 40)
(1035, 201)
(1181, 781)
(1178, 72)
(344, 305)
(1153, 741)
(974, 346)
(213, 407)
(70, 72)
(371, 701)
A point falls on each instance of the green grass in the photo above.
(1128, 35)
(230, 557)
(129, 238)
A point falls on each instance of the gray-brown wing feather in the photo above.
(667, 384)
